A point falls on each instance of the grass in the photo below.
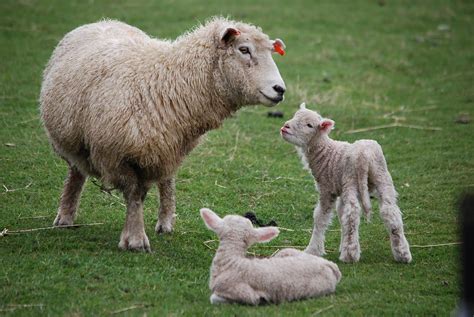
(362, 63)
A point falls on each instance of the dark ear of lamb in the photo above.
(259, 222)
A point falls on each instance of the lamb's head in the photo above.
(237, 228)
(246, 69)
(304, 126)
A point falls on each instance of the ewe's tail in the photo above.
(362, 168)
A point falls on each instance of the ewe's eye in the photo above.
(309, 125)
(244, 50)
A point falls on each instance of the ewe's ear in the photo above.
(279, 47)
(229, 35)
(326, 125)
(266, 234)
(212, 221)
(302, 106)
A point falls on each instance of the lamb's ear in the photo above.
(228, 35)
(302, 106)
(266, 234)
(212, 221)
(326, 125)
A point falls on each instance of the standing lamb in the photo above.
(289, 275)
(127, 108)
(350, 172)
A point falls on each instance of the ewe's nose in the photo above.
(279, 89)
(287, 126)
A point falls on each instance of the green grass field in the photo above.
(361, 63)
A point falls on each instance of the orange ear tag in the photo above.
(278, 48)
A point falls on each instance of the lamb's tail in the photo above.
(362, 169)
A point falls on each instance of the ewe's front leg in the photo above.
(349, 216)
(166, 213)
(133, 236)
(322, 218)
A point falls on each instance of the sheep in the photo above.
(126, 108)
(348, 172)
(289, 275)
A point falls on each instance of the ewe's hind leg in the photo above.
(349, 217)
(134, 190)
(322, 218)
(166, 213)
(392, 218)
(70, 197)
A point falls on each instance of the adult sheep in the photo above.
(127, 108)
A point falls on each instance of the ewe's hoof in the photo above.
(403, 257)
(63, 220)
(348, 257)
(165, 226)
(138, 243)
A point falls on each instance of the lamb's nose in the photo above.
(287, 126)
(279, 89)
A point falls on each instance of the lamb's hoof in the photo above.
(165, 226)
(315, 251)
(138, 243)
(63, 220)
(402, 257)
(216, 299)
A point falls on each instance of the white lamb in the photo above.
(289, 275)
(127, 108)
(350, 172)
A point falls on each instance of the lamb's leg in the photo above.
(216, 299)
(287, 252)
(70, 197)
(166, 213)
(392, 218)
(322, 218)
(133, 235)
(349, 216)
(240, 293)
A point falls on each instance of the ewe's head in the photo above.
(304, 126)
(237, 229)
(247, 71)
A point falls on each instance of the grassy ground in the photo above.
(362, 63)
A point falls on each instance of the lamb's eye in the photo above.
(309, 125)
(244, 50)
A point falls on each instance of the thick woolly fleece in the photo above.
(125, 107)
(348, 172)
(289, 275)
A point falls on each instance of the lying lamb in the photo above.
(350, 172)
(289, 275)
(127, 108)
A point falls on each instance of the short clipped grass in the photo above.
(362, 63)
